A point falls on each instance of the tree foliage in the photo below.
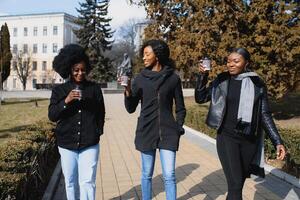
(268, 29)
(5, 54)
(95, 36)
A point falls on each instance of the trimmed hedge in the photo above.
(27, 162)
(196, 116)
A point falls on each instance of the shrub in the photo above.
(27, 162)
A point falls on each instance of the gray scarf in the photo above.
(246, 96)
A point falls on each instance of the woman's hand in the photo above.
(72, 96)
(201, 68)
(281, 152)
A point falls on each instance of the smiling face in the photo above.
(78, 72)
(149, 57)
(236, 63)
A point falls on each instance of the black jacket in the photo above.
(156, 126)
(216, 93)
(79, 123)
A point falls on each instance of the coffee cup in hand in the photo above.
(206, 63)
(124, 80)
(77, 89)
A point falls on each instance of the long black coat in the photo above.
(79, 123)
(156, 126)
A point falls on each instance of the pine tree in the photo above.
(5, 54)
(95, 36)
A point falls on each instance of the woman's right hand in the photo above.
(201, 68)
(72, 96)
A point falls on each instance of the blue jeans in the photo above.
(79, 168)
(167, 159)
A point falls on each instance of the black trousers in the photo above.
(235, 154)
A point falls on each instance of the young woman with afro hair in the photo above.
(78, 108)
(157, 87)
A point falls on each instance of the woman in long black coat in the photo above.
(157, 86)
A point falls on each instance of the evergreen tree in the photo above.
(5, 54)
(94, 35)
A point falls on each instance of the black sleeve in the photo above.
(133, 99)
(268, 122)
(101, 108)
(179, 104)
(202, 93)
(57, 105)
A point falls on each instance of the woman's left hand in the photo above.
(280, 152)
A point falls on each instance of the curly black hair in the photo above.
(161, 51)
(68, 56)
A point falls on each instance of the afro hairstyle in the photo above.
(68, 56)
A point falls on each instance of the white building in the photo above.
(140, 36)
(40, 36)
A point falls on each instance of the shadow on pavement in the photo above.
(181, 173)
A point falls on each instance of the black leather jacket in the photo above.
(216, 93)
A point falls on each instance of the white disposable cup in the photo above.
(206, 63)
(124, 80)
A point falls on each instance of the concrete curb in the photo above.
(268, 169)
(54, 181)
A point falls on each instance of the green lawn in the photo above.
(17, 114)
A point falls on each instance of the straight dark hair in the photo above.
(243, 52)
(161, 51)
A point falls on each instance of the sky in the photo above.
(119, 10)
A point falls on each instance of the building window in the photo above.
(15, 65)
(55, 30)
(25, 31)
(15, 32)
(54, 48)
(35, 48)
(34, 66)
(53, 81)
(14, 83)
(44, 48)
(45, 30)
(25, 48)
(34, 83)
(44, 81)
(15, 48)
(25, 65)
(44, 66)
(35, 30)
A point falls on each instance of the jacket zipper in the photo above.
(159, 129)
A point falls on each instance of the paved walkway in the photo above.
(198, 171)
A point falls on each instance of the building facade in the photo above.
(140, 36)
(38, 38)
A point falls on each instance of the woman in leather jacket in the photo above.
(78, 108)
(239, 111)
(157, 87)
